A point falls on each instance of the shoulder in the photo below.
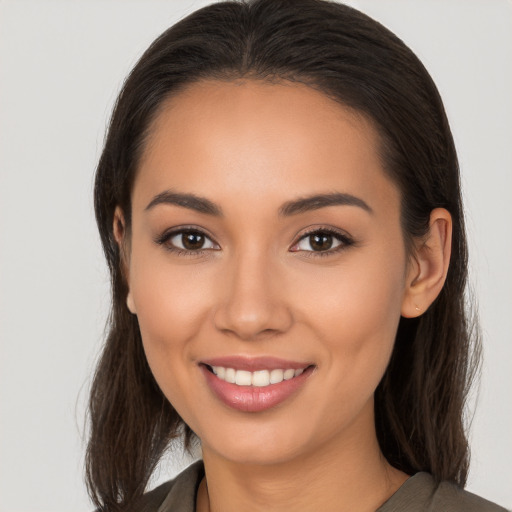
(420, 493)
(176, 495)
(451, 498)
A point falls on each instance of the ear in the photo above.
(119, 229)
(429, 265)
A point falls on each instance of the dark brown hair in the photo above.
(353, 59)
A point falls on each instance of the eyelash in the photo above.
(164, 238)
(344, 239)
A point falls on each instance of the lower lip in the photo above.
(254, 398)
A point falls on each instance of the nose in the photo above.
(253, 304)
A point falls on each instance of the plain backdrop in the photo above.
(61, 65)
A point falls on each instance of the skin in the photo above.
(258, 288)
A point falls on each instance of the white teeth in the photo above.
(260, 378)
(230, 375)
(289, 374)
(276, 376)
(243, 378)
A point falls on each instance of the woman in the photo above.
(279, 203)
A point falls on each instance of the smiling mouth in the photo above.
(259, 378)
(255, 384)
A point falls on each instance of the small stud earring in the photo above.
(417, 308)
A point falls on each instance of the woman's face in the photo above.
(266, 240)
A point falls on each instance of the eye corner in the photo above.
(343, 241)
(179, 247)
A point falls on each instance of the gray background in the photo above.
(61, 65)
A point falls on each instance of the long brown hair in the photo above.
(419, 403)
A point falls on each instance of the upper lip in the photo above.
(255, 363)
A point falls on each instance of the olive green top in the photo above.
(418, 494)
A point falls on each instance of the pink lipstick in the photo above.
(254, 384)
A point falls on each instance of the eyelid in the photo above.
(168, 234)
(342, 236)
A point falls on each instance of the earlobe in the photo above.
(130, 304)
(119, 230)
(427, 273)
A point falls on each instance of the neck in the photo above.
(349, 474)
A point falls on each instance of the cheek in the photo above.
(172, 302)
(355, 309)
(354, 298)
(354, 313)
(167, 297)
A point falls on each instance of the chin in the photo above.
(258, 446)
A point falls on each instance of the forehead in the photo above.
(259, 139)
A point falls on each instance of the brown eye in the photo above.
(192, 241)
(189, 241)
(320, 241)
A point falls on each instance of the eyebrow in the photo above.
(295, 207)
(318, 201)
(190, 201)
